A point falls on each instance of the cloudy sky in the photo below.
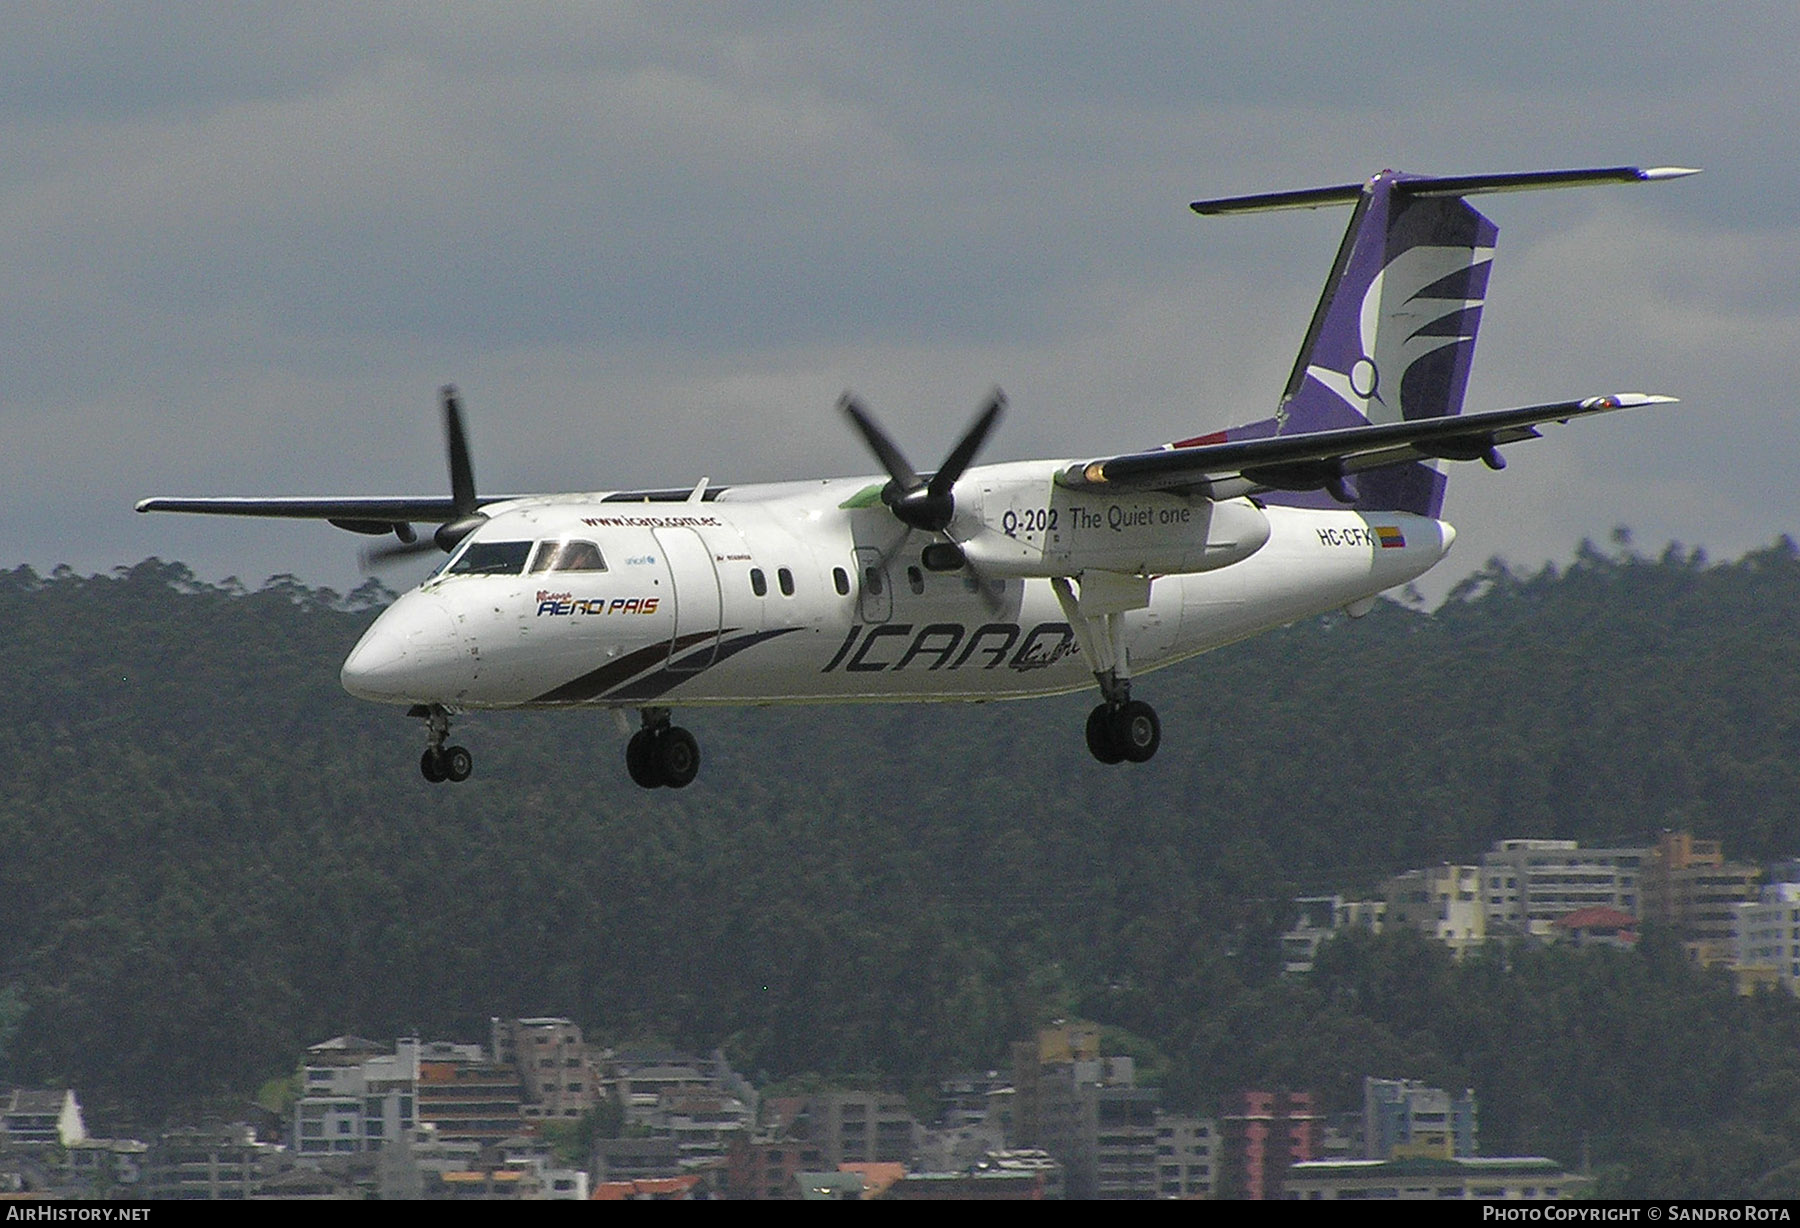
(244, 244)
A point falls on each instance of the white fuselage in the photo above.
(813, 592)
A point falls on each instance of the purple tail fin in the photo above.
(1393, 334)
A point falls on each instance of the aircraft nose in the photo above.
(403, 657)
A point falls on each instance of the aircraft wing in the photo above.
(1222, 468)
(368, 514)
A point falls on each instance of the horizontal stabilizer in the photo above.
(1319, 459)
(1439, 186)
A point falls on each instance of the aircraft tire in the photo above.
(677, 757)
(431, 766)
(458, 764)
(1101, 742)
(1136, 731)
(640, 760)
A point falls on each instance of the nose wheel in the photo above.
(439, 762)
(662, 755)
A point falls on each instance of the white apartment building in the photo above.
(1527, 884)
(1768, 933)
(1187, 1156)
(1441, 902)
(353, 1100)
(1319, 917)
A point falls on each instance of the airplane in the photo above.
(972, 583)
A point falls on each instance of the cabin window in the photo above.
(915, 580)
(568, 556)
(758, 584)
(786, 579)
(840, 580)
(872, 580)
(491, 559)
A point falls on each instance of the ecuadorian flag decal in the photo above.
(1391, 537)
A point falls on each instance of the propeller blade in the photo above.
(906, 478)
(915, 503)
(462, 472)
(469, 516)
(964, 452)
(373, 558)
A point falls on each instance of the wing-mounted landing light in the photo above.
(468, 515)
(929, 506)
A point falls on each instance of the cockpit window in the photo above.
(491, 559)
(568, 556)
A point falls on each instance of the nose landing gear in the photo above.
(661, 754)
(439, 762)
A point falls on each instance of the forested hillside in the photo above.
(210, 856)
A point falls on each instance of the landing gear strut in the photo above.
(661, 754)
(439, 762)
(1122, 728)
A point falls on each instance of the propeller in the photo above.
(466, 507)
(929, 506)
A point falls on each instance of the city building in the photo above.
(1269, 1133)
(210, 1163)
(1087, 1112)
(638, 1077)
(1528, 884)
(1318, 917)
(765, 1165)
(986, 1185)
(104, 1165)
(972, 1099)
(858, 1127)
(557, 1076)
(633, 1159)
(1690, 887)
(1768, 935)
(1420, 1178)
(649, 1189)
(1442, 902)
(1187, 1156)
(1051, 1179)
(1598, 926)
(958, 1149)
(472, 1100)
(1403, 1118)
(701, 1124)
(355, 1097)
(41, 1117)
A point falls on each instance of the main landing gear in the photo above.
(1121, 729)
(661, 754)
(439, 762)
(1117, 732)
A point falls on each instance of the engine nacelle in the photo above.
(1064, 532)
